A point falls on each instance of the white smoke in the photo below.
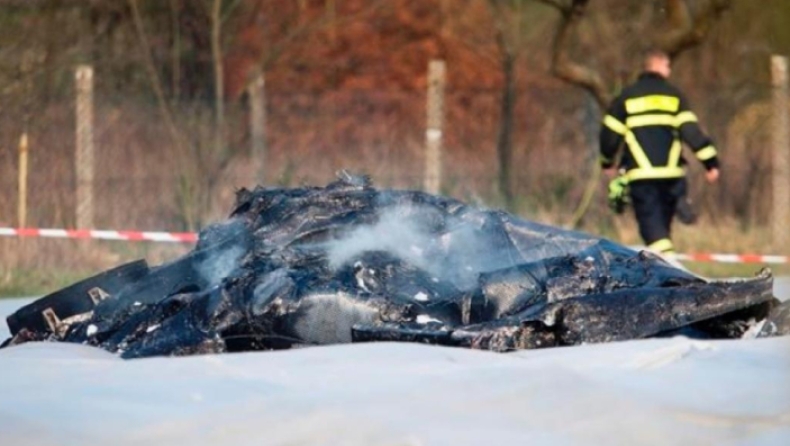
(457, 254)
(222, 263)
(219, 266)
(396, 232)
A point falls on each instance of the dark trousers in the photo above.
(654, 203)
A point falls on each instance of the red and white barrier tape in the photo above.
(173, 237)
(732, 258)
(192, 237)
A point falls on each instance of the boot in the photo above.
(685, 211)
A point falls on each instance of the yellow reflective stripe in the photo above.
(674, 154)
(615, 125)
(637, 151)
(706, 153)
(664, 245)
(630, 139)
(655, 173)
(652, 103)
(669, 120)
(646, 120)
(685, 117)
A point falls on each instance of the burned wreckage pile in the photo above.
(350, 263)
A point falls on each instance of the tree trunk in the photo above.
(781, 157)
(505, 137)
(175, 51)
(219, 92)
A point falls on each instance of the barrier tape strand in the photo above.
(192, 237)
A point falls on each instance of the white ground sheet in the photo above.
(658, 391)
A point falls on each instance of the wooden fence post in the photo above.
(781, 149)
(433, 132)
(257, 96)
(22, 201)
(84, 148)
(331, 15)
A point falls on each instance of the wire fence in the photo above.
(144, 181)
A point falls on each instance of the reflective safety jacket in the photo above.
(652, 117)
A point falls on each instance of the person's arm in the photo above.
(613, 132)
(700, 143)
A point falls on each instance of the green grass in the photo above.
(36, 267)
(724, 270)
(29, 282)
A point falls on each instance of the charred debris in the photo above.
(350, 263)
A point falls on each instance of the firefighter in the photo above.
(649, 120)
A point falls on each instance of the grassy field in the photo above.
(724, 237)
(722, 270)
(30, 267)
(33, 282)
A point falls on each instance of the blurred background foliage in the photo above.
(345, 84)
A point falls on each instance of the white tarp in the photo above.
(657, 391)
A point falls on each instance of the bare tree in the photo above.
(201, 166)
(508, 18)
(175, 52)
(156, 84)
(681, 30)
(301, 24)
(219, 78)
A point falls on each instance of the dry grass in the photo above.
(705, 236)
(39, 266)
(724, 236)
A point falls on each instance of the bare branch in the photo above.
(678, 14)
(229, 10)
(153, 75)
(557, 4)
(576, 74)
(685, 31)
(276, 49)
(478, 47)
(499, 16)
(568, 70)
